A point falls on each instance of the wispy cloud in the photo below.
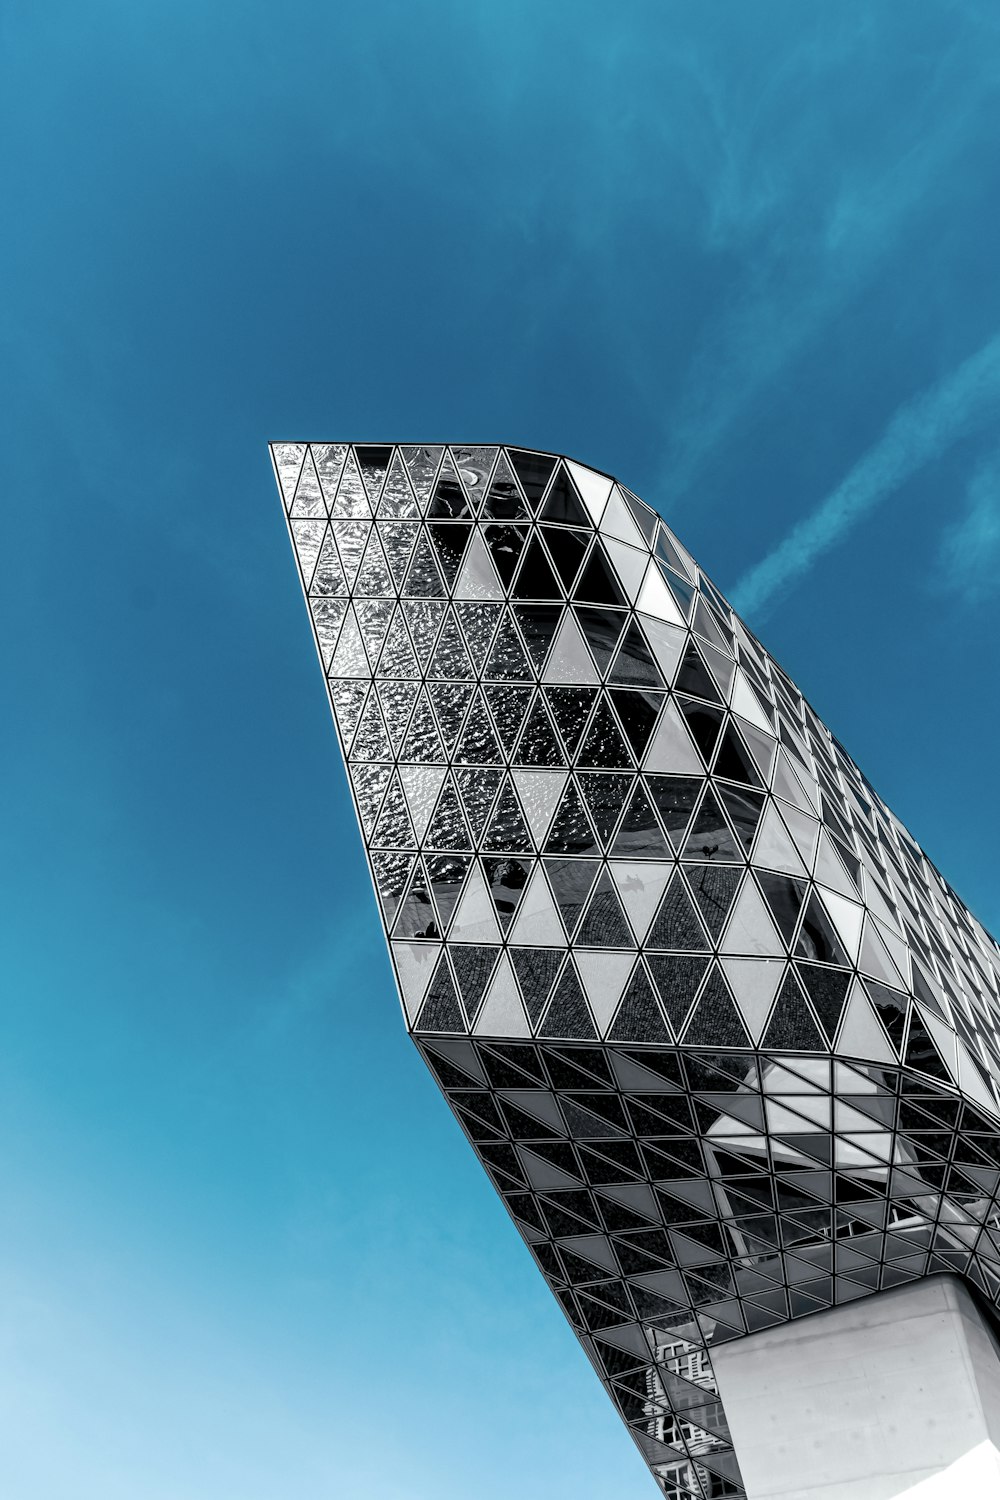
(920, 431)
(970, 549)
(804, 230)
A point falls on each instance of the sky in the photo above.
(743, 256)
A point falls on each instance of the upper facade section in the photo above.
(594, 806)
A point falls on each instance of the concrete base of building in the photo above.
(894, 1397)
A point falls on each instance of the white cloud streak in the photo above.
(921, 430)
(970, 549)
(807, 237)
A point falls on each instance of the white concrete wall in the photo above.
(894, 1397)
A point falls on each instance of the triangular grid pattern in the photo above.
(726, 1042)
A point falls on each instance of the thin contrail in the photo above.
(920, 431)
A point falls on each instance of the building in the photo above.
(723, 1038)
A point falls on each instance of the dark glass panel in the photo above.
(506, 879)
(449, 500)
(449, 544)
(734, 760)
(827, 989)
(714, 887)
(704, 723)
(533, 470)
(503, 500)
(473, 965)
(744, 808)
(538, 744)
(716, 1021)
(604, 924)
(568, 1013)
(784, 895)
(604, 745)
(638, 712)
(676, 925)
(536, 579)
(605, 794)
(634, 665)
(597, 583)
(536, 969)
(441, 1010)
(639, 1018)
(562, 503)
(566, 549)
(675, 797)
(570, 708)
(506, 544)
(373, 461)
(694, 677)
(791, 1025)
(818, 938)
(507, 829)
(508, 705)
(640, 835)
(538, 624)
(571, 831)
(571, 881)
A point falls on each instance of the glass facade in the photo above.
(725, 1041)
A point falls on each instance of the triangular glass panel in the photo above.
(562, 503)
(423, 579)
(571, 831)
(538, 624)
(784, 896)
(507, 660)
(603, 745)
(676, 924)
(442, 1010)
(601, 628)
(634, 665)
(534, 470)
(827, 989)
(568, 1014)
(639, 1018)
(570, 881)
(714, 887)
(605, 794)
(478, 621)
(640, 836)
(818, 938)
(733, 760)
(695, 678)
(570, 709)
(504, 501)
(704, 724)
(791, 1026)
(597, 583)
(538, 745)
(447, 828)
(477, 790)
(604, 924)
(677, 979)
(711, 837)
(716, 1021)
(535, 579)
(448, 501)
(536, 969)
(507, 829)
(744, 808)
(566, 549)
(508, 705)
(449, 542)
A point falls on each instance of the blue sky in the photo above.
(743, 256)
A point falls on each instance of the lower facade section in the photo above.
(896, 1397)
